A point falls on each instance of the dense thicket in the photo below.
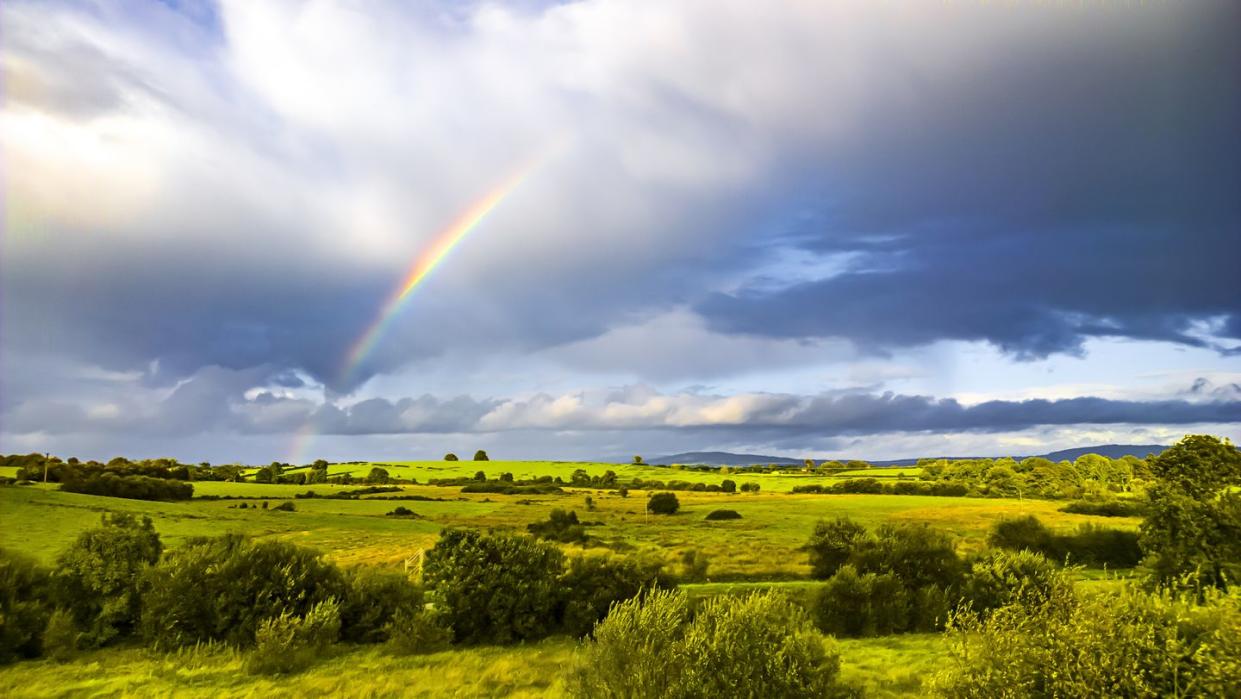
(131, 487)
(1126, 644)
(25, 606)
(1089, 544)
(760, 645)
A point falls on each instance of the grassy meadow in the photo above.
(757, 552)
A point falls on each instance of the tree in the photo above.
(1193, 525)
(728, 486)
(831, 544)
(98, 576)
(480, 476)
(663, 504)
(377, 475)
(481, 455)
(450, 457)
(493, 588)
(637, 460)
(24, 606)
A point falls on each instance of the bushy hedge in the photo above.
(1126, 644)
(873, 486)
(760, 645)
(221, 589)
(289, 643)
(1107, 508)
(1089, 545)
(24, 606)
(715, 515)
(131, 487)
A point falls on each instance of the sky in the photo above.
(848, 228)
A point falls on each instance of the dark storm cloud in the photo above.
(1092, 190)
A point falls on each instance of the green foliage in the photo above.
(831, 544)
(728, 485)
(559, 526)
(377, 475)
(722, 514)
(916, 554)
(288, 643)
(1192, 532)
(61, 638)
(853, 604)
(414, 631)
(450, 457)
(24, 606)
(98, 578)
(760, 645)
(1110, 507)
(494, 588)
(1129, 644)
(286, 506)
(221, 589)
(694, 565)
(372, 599)
(481, 455)
(663, 504)
(999, 578)
(1089, 545)
(132, 487)
(592, 584)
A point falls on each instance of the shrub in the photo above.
(481, 455)
(559, 526)
(831, 544)
(494, 588)
(1126, 644)
(749, 487)
(132, 487)
(999, 578)
(287, 643)
(663, 504)
(1024, 533)
(1100, 546)
(416, 632)
(592, 584)
(722, 514)
(694, 565)
(286, 506)
(853, 604)
(450, 457)
(915, 553)
(401, 511)
(372, 599)
(728, 485)
(24, 606)
(1106, 508)
(221, 589)
(98, 578)
(760, 645)
(61, 637)
(378, 475)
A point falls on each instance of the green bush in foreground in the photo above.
(289, 643)
(663, 504)
(1128, 644)
(416, 632)
(760, 645)
(24, 606)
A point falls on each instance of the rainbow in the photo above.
(421, 268)
(426, 263)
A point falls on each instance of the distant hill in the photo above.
(1112, 451)
(724, 458)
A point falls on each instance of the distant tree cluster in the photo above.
(1091, 475)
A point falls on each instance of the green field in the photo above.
(886, 667)
(758, 551)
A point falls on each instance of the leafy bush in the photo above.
(592, 584)
(416, 632)
(372, 599)
(559, 526)
(1090, 544)
(663, 504)
(494, 588)
(401, 511)
(722, 514)
(916, 554)
(1106, 508)
(831, 545)
(1130, 644)
(854, 605)
(24, 606)
(286, 506)
(98, 578)
(61, 637)
(221, 589)
(694, 565)
(760, 645)
(999, 578)
(287, 643)
(131, 487)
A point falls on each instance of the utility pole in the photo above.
(46, 459)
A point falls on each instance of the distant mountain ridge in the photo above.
(724, 458)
